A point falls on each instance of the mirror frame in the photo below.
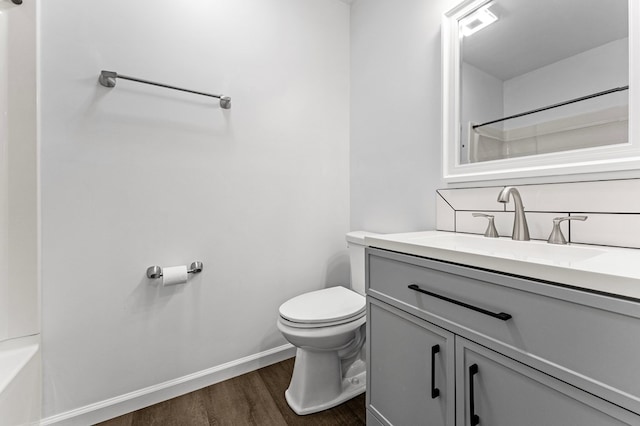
(589, 160)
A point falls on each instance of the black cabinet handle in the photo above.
(475, 419)
(501, 316)
(435, 392)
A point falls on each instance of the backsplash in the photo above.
(613, 208)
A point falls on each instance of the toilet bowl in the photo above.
(328, 328)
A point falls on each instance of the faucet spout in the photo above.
(520, 227)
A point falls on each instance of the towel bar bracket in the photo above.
(108, 78)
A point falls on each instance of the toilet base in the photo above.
(318, 383)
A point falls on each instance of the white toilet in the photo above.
(328, 328)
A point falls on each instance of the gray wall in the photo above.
(137, 175)
(19, 301)
(395, 113)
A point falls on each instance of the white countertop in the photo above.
(604, 269)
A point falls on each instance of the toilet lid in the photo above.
(321, 306)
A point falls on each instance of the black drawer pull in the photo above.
(501, 316)
(435, 392)
(475, 419)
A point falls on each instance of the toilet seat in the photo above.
(323, 308)
(321, 324)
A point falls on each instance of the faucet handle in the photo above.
(491, 231)
(556, 236)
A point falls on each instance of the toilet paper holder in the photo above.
(154, 272)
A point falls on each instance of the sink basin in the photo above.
(533, 251)
(607, 270)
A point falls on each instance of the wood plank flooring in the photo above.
(255, 398)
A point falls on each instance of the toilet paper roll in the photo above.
(174, 275)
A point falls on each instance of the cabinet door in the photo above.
(410, 369)
(494, 390)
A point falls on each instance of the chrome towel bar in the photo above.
(108, 79)
(154, 272)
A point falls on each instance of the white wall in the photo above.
(4, 178)
(595, 70)
(482, 101)
(395, 113)
(137, 175)
(19, 314)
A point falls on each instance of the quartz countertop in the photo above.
(610, 270)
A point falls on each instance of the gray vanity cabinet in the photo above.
(411, 375)
(507, 393)
(547, 361)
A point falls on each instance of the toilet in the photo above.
(328, 328)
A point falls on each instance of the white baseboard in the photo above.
(114, 407)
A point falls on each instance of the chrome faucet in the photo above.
(520, 227)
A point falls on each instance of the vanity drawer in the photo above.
(593, 348)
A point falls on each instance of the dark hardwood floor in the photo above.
(255, 398)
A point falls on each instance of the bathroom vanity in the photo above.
(465, 330)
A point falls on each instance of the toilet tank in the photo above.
(355, 242)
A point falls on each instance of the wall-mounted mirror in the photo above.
(538, 87)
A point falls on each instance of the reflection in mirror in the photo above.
(542, 76)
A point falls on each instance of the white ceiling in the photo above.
(533, 33)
